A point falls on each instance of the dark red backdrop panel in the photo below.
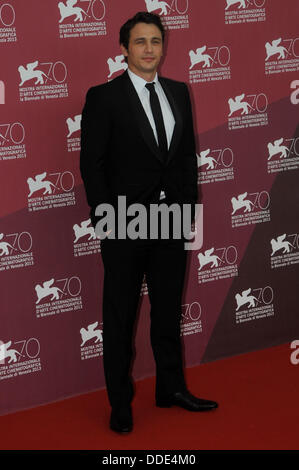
(241, 62)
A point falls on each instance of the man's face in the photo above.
(145, 49)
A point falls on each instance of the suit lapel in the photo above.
(144, 124)
(177, 131)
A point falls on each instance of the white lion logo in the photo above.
(83, 229)
(74, 125)
(153, 5)
(280, 244)
(237, 104)
(198, 57)
(45, 290)
(29, 73)
(277, 149)
(116, 65)
(4, 246)
(240, 202)
(245, 298)
(205, 159)
(229, 3)
(206, 258)
(274, 48)
(8, 353)
(91, 332)
(69, 9)
(38, 183)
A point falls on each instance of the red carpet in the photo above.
(257, 394)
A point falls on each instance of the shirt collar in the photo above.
(139, 82)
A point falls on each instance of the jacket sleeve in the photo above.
(190, 171)
(95, 138)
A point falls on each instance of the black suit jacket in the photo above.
(119, 154)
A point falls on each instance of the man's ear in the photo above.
(123, 50)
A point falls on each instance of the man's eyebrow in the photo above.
(142, 37)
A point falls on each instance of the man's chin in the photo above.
(148, 69)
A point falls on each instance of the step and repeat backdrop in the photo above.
(240, 59)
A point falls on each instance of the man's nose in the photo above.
(148, 46)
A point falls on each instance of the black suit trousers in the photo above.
(125, 263)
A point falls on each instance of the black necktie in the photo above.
(158, 118)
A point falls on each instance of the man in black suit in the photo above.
(137, 141)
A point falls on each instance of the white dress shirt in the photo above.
(144, 96)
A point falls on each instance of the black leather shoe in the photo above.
(187, 401)
(121, 420)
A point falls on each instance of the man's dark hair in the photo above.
(141, 17)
